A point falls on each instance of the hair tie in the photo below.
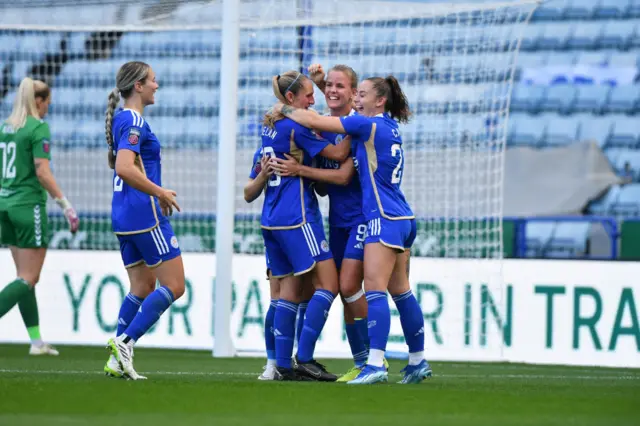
(294, 82)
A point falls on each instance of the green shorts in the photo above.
(25, 226)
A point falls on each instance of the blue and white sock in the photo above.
(149, 312)
(315, 318)
(284, 328)
(358, 349)
(379, 326)
(302, 310)
(128, 311)
(412, 321)
(269, 337)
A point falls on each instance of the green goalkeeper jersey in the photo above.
(19, 185)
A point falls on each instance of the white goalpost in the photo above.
(214, 61)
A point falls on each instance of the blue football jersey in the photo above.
(256, 166)
(133, 211)
(290, 201)
(345, 202)
(379, 158)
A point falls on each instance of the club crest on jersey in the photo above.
(134, 136)
(325, 246)
(46, 146)
(174, 242)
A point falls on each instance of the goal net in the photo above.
(455, 62)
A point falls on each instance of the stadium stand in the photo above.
(576, 79)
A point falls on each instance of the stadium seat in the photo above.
(559, 58)
(593, 127)
(628, 201)
(624, 99)
(554, 36)
(527, 98)
(36, 45)
(616, 34)
(633, 10)
(530, 36)
(599, 57)
(559, 98)
(580, 9)
(561, 131)
(611, 9)
(625, 132)
(76, 43)
(620, 59)
(591, 98)
(537, 237)
(569, 239)
(9, 47)
(585, 35)
(525, 130)
(20, 70)
(551, 10)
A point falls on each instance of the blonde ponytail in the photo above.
(25, 103)
(112, 102)
(128, 74)
(291, 81)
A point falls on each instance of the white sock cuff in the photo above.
(355, 297)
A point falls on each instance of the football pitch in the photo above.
(191, 388)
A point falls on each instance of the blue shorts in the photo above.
(397, 234)
(295, 251)
(152, 248)
(347, 242)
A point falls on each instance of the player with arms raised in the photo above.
(139, 208)
(293, 231)
(377, 147)
(25, 179)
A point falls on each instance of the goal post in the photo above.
(214, 61)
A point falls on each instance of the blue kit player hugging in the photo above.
(139, 208)
(347, 226)
(293, 232)
(391, 226)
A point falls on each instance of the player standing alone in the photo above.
(139, 208)
(377, 146)
(25, 179)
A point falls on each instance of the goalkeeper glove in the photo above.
(69, 213)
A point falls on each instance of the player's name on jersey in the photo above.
(198, 235)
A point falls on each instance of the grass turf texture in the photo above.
(191, 388)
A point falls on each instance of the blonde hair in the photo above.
(128, 75)
(25, 103)
(290, 81)
(348, 71)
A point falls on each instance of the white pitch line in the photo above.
(226, 373)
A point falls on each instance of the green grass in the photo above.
(191, 388)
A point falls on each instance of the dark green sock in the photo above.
(11, 295)
(29, 310)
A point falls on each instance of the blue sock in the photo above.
(284, 328)
(412, 321)
(363, 332)
(149, 313)
(317, 313)
(358, 349)
(379, 319)
(269, 338)
(128, 311)
(302, 310)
